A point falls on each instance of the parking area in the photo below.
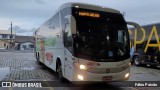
(22, 66)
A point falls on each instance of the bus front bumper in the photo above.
(82, 75)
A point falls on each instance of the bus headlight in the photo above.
(83, 67)
(127, 75)
(80, 66)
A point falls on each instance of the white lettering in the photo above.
(34, 85)
(151, 84)
(19, 84)
(139, 84)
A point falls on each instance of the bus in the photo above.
(84, 42)
(147, 46)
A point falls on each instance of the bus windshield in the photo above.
(101, 38)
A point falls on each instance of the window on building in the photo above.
(4, 36)
(24, 47)
(31, 46)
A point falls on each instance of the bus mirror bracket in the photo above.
(72, 23)
(137, 26)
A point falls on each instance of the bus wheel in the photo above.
(136, 61)
(59, 72)
(38, 59)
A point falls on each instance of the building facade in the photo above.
(24, 43)
(5, 39)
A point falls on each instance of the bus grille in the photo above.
(107, 70)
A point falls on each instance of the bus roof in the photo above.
(88, 6)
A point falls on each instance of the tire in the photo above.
(59, 72)
(38, 59)
(137, 61)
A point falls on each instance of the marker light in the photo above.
(83, 67)
(127, 75)
(80, 77)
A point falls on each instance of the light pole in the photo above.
(11, 37)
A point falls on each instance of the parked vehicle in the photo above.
(147, 46)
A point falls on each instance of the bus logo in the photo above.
(49, 57)
(107, 70)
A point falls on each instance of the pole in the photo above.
(11, 36)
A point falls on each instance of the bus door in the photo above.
(70, 29)
(68, 64)
(68, 51)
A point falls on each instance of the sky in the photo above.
(27, 15)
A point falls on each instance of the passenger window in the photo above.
(54, 22)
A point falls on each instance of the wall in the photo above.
(2, 46)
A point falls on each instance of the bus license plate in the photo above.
(105, 78)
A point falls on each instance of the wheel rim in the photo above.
(136, 60)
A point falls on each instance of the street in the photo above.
(22, 66)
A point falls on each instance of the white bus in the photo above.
(83, 42)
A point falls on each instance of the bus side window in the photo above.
(55, 24)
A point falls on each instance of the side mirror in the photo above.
(72, 23)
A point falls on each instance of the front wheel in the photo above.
(137, 60)
(59, 72)
(38, 59)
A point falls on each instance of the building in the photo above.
(4, 44)
(24, 43)
(5, 39)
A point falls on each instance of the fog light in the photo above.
(127, 75)
(80, 77)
